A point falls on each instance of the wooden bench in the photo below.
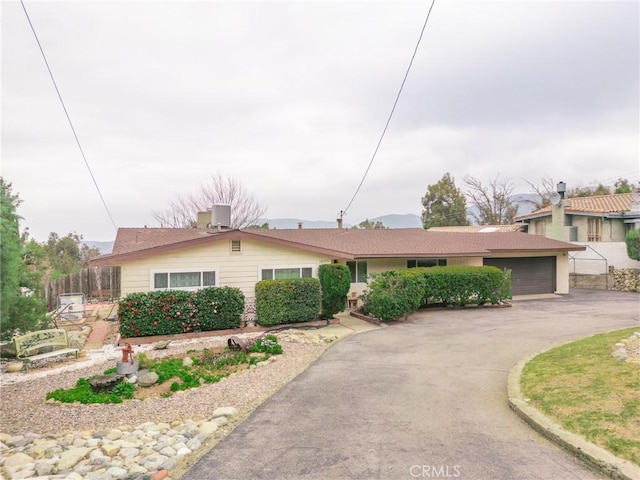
(42, 344)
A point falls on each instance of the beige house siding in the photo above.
(540, 226)
(611, 230)
(240, 270)
(562, 274)
(614, 230)
(465, 261)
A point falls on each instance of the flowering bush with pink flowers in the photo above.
(170, 312)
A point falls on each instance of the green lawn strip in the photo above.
(586, 390)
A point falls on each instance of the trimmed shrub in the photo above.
(632, 239)
(219, 308)
(466, 285)
(396, 293)
(335, 281)
(170, 312)
(287, 301)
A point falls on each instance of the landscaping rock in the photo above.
(70, 458)
(18, 461)
(125, 453)
(224, 412)
(148, 379)
(208, 428)
(117, 472)
(105, 383)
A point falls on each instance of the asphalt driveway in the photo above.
(421, 399)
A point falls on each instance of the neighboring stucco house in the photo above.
(599, 223)
(161, 258)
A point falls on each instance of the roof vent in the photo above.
(221, 216)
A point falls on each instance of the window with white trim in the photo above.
(358, 271)
(427, 262)
(283, 273)
(183, 279)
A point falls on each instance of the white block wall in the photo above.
(591, 262)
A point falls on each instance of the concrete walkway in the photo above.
(426, 398)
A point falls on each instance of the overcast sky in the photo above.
(290, 98)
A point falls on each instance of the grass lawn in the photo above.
(586, 390)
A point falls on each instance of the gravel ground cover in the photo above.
(23, 407)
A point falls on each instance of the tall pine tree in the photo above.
(18, 311)
(444, 204)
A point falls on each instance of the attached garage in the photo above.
(530, 275)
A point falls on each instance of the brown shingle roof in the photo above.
(134, 243)
(616, 203)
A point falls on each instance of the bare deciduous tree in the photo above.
(544, 190)
(183, 209)
(493, 201)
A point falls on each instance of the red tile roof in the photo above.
(616, 203)
(132, 243)
(479, 228)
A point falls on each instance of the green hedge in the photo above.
(287, 301)
(170, 312)
(466, 285)
(335, 281)
(632, 240)
(396, 293)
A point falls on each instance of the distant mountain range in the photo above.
(409, 220)
(104, 247)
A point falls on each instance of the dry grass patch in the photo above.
(587, 391)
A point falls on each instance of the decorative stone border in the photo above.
(595, 456)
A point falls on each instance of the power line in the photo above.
(384, 131)
(55, 85)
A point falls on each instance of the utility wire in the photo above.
(68, 117)
(384, 131)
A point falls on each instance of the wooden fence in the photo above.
(99, 283)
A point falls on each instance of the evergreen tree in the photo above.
(444, 204)
(64, 254)
(22, 305)
(369, 225)
(622, 186)
(10, 250)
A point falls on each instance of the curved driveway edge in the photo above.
(423, 398)
(595, 456)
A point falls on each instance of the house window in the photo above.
(541, 228)
(594, 229)
(358, 271)
(427, 262)
(236, 246)
(183, 279)
(283, 273)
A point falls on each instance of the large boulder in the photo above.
(148, 379)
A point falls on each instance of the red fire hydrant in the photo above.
(127, 353)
